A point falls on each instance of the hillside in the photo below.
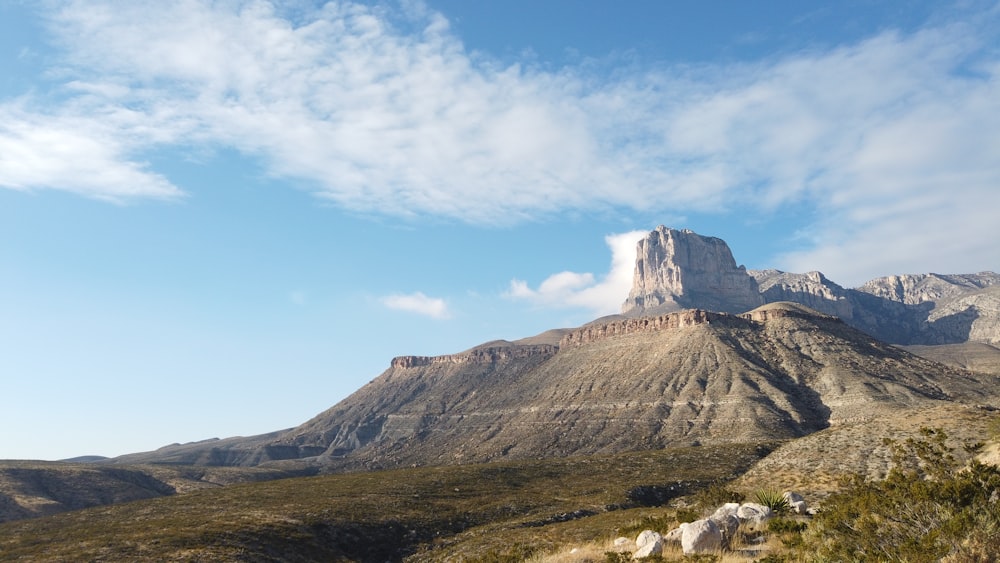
(691, 377)
(973, 356)
(428, 514)
(29, 489)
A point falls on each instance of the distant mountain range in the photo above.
(705, 352)
(679, 269)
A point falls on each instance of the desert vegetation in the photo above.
(461, 512)
(936, 503)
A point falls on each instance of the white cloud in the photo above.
(387, 112)
(72, 153)
(888, 142)
(419, 303)
(570, 289)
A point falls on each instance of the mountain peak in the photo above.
(680, 269)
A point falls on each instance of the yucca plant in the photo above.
(773, 499)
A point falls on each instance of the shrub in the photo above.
(785, 525)
(687, 515)
(927, 508)
(773, 499)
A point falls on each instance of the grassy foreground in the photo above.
(466, 512)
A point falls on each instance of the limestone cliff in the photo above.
(811, 289)
(910, 309)
(680, 269)
(914, 289)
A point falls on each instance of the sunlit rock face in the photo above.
(680, 269)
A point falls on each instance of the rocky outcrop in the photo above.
(680, 319)
(479, 355)
(928, 309)
(922, 288)
(680, 269)
(811, 289)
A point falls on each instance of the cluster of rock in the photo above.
(680, 269)
(478, 355)
(619, 327)
(714, 533)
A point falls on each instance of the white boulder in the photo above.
(701, 536)
(792, 497)
(754, 515)
(796, 503)
(728, 508)
(647, 536)
(649, 543)
(728, 524)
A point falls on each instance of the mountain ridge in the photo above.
(689, 377)
(704, 352)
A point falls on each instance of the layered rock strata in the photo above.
(691, 377)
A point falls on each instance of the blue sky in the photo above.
(221, 218)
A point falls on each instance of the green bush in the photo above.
(687, 515)
(773, 499)
(785, 525)
(928, 507)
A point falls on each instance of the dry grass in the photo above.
(427, 514)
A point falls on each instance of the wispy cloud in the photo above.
(384, 111)
(570, 289)
(81, 154)
(418, 303)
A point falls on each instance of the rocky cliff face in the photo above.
(913, 289)
(811, 289)
(926, 309)
(680, 269)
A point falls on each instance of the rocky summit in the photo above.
(680, 269)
